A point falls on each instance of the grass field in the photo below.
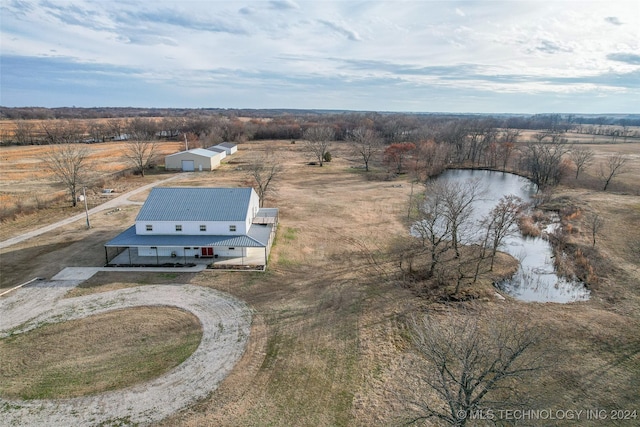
(126, 347)
(26, 184)
(329, 345)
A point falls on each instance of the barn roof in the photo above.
(217, 149)
(196, 204)
(227, 144)
(197, 151)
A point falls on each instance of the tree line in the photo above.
(99, 125)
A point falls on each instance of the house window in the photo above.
(178, 227)
(203, 228)
(232, 249)
(149, 227)
(232, 228)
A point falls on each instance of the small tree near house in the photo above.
(262, 172)
(69, 163)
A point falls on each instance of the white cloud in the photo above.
(613, 20)
(284, 4)
(305, 46)
(341, 29)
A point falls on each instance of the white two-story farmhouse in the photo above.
(224, 227)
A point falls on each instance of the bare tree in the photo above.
(481, 133)
(262, 172)
(443, 219)
(62, 131)
(504, 151)
(97, 131)
(459, 200)
(432, 227)
(612, 167)
(116, 128)
(24, 132)
(366, 144)
(472, 363)
(544, 163)
(500, 222)
(318, 140)
(70, 164)
(540, 136)
(142, 129)
(510, 135)
(594, 224)
(141, 154)
(581, 157)
(430, 159)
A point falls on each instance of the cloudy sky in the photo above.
(432, 56)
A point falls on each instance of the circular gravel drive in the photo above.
(225, 322)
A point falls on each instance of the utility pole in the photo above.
(186, 143)
(86, 209)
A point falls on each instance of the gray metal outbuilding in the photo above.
(197, 159)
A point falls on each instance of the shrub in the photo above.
(327, 157)
(527, 226)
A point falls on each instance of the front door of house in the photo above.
(207, 252)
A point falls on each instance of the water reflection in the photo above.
(536, 279)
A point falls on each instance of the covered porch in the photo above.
(253, 259)
(238, 252)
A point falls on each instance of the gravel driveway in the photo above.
(225, 321)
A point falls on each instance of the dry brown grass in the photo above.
(26, 186)
(590, 176)
(331, 346)
(528, 226)
(126, 347)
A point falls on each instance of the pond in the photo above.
(535, 280)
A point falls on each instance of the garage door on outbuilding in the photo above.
(188, 166)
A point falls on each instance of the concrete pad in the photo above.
(76, 273)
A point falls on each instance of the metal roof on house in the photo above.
(197, 151)
(258, 237)
(196, 204)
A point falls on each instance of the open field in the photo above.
(25, 185)
(329, 343)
